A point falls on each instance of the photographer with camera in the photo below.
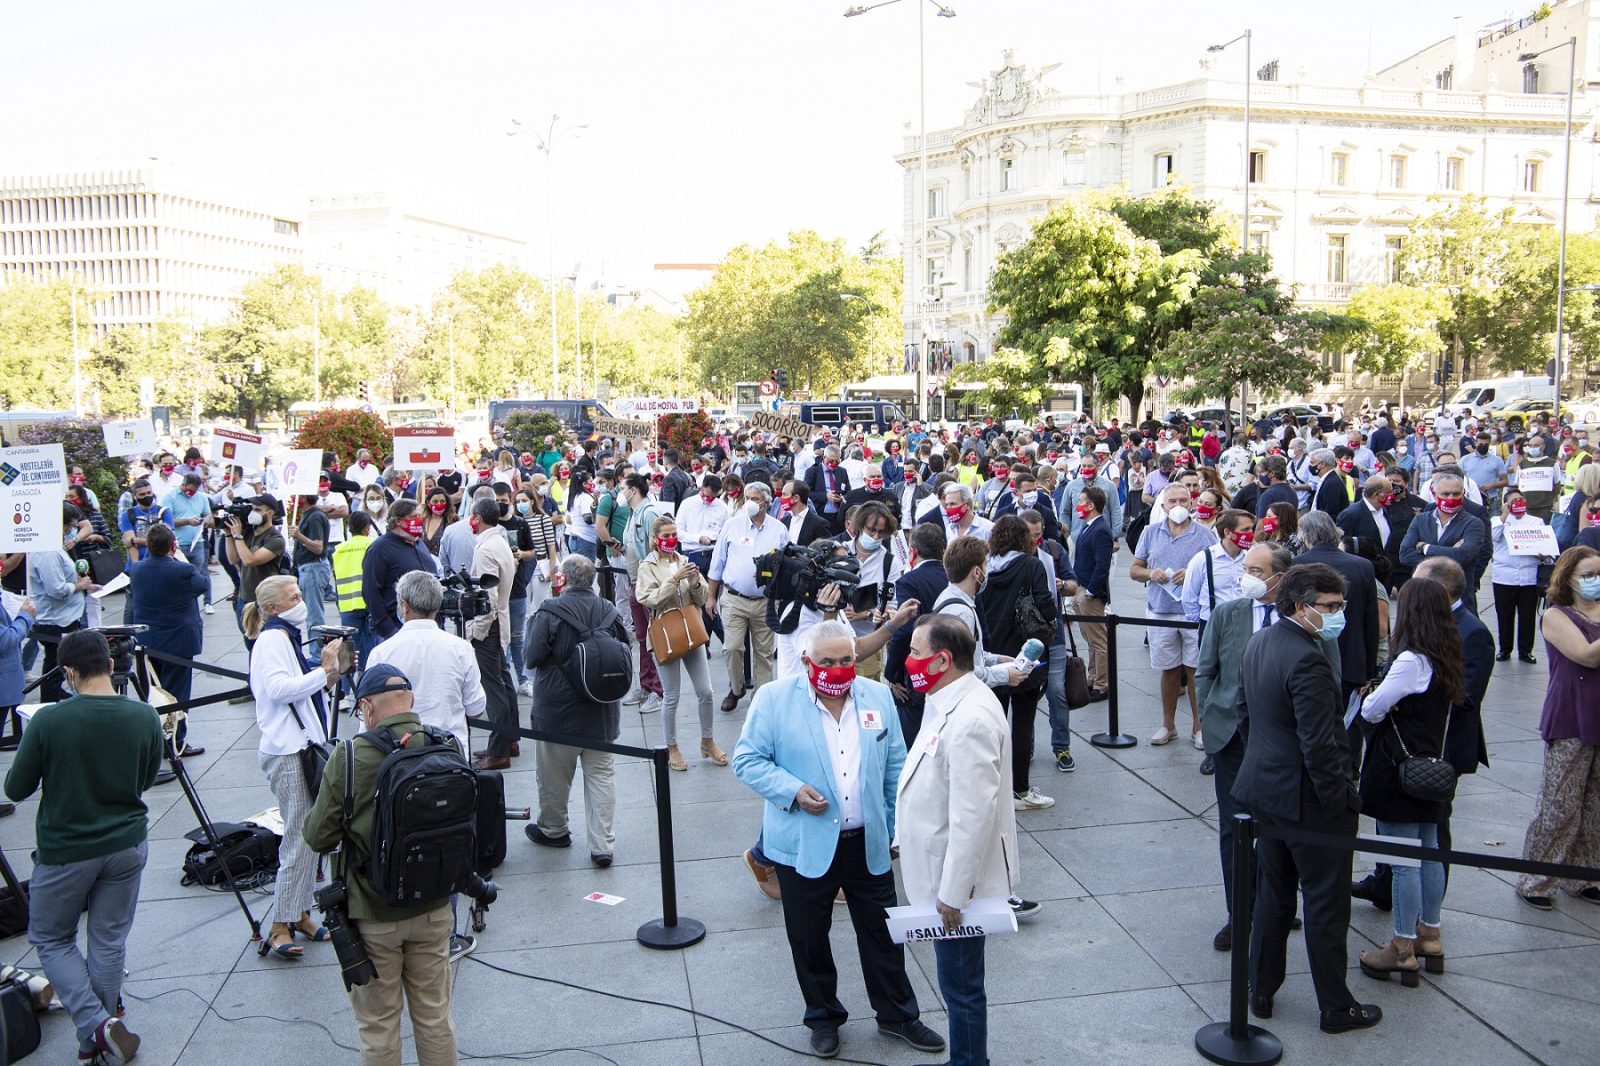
(254, 545)
(874, 523)
(490, 631)
(291, 716)
(406, 949)
(734, 594)
(93, 755)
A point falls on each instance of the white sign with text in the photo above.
(136, 436)
(33, 482)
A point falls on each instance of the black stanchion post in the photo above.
(671, 931)
(1113, 737)
(1236, 1042)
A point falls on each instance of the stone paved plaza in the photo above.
(1117, 969)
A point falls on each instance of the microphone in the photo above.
(1031, 653)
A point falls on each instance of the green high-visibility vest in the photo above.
(347, 559)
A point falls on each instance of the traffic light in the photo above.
(781, 376)
(366, 392)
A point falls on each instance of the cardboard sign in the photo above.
(982, 917)
(33, 482)
(625, 428)
(133, 437)
(783, 426)
(654, 407)
(1537, 479)
(1531, 538)
(423, 447)
(299, 470)
(237, 448)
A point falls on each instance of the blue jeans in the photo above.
(585, 548)
(108, 887)
(960, 964)
(1055, 692)
(1418, 894)
(316, 581)
(519, 622)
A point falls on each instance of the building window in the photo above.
(1269, 72)
(1259, 245)
(1454, 171)
(1393, 257)
(1532, 175)
(1530, 79)
(1339, 169)
(1397, 171)
(285, 227)
(1164, 168)
(1445, 79)
(1336, 250)
(1258, 167)
(1076, 170)
(966, 270)
(936, 202)
(1008, 175)
(935, 274)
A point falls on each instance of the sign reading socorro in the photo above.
(424, 447)
(783, 426)
(625, 428)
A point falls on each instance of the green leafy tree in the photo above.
(528, 429)
(1400, 327)
(36, 343)
(127, 354)
(491, 329)
(1467, 251)
(345, 431)
(811, 306)
(83, 443)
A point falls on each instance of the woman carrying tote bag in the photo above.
(671, 588)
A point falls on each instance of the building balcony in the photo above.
(1327, 292)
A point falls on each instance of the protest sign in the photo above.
(423, 447)
(33, 482)
(299, 470)
(237, 448)
(133, 437)
(783, 426)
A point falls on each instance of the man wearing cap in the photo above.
(409, 946)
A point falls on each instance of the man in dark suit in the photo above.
(1449, 532)
(799, 517)
(677, 485)
(1358, 642)
(1296, 774)
(1403, 508)
(922, 582)
(876, 488)
(828, 482)
(1464, 747)
(164, 592)
(1273, 472)
(1368, 517)
(1330, 496)
(1025, 495)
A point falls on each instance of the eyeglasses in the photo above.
(1329, 608)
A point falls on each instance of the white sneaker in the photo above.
(1199, 741)
(526, 688)
(1163, 736)
(651, 705)
(1031, 800)
(210, 609)
(634, 698)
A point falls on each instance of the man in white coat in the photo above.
(957, 830)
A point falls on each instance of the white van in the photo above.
(1478, 398)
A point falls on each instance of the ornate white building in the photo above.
(1337, 172)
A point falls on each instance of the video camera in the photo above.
(123, 645)
(467, 597)
(796, 573)
(241, 511)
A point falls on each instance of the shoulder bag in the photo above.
(676, 632)
(313, 757)
(1423, 777)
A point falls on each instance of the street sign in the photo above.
(769, 387)
(1162, 381)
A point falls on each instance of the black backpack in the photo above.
(600, 668)
(250, 852)
(424, 818)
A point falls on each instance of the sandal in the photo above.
(709, 750)
(285, 949)
(675, 759)
(316, 934)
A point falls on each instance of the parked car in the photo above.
(1303, 414)
(1519, 413)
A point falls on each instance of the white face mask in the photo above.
(752, 509)
(255, 518)
(1252, 587)
(1178, 514)
(294, 615)
(375, 506)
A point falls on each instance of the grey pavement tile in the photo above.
(1105, 859)
(1099, 800)
(858, 1039)
(1184, 785)
(1175, 927)
(1074, 947)
(1043, 876)
(1546, 972)
(165, 1012)
(680, 1052)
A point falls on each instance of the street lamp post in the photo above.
(1244, 243)
(546, 143)
(922, 179)
(1571, 44)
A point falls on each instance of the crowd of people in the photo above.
(1311, 594)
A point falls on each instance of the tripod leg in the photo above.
(193, 796)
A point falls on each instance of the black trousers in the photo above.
(1227, 763)
(53, 688)
(808, 917)
(1514, 608)
(1021, 708)
(1322, 877)
(501, 698)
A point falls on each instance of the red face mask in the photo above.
(1347, 465)
(922, 679)
(1450, 507)
(483, 475)
(1002, 472)
(911, 475)
(874, 483)
(413, 525)
(1245, 538)
(698, 469)
(167, 468)
(1386, 499)
(831, 464)
(1081, 510)
(708, 496)
(667, 544)
(1269, 524)
(1519, 507)
(1087, 473)
(955, 514)
(190, 492)
(437, 506)
(77, 479)
(831, 681)
(1204, 512)
(785, 504)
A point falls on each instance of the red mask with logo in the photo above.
(667, 545)
(831, 464)
(785, 504)
(437, 506)
(1269, 524)
(1204, 512)
(874, 483)
(167, 468)
(911, 475)
(1450, 507)
(1519, 507)
(1244, 538)
(1081, 510)
(955, 514)
(831, 681)
(413, 525)
(1347, 465)
(922, 679)
(77, 479)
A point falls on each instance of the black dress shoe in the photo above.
(914, 1033)
(1097, 695)
(825, 1041)
(1223, 941)
(1529, 659)
(539, 836)
(1369, 889)
(1361, 1016)
(1502, 657)
(1261, 1006)
(1208, 765)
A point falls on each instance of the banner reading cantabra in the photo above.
(33, 481)
(424, 447)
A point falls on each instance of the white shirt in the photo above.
(843, 738)
(697, 518)
(1225, 568)
(793, 522)
(1263, 615)
(443, 672)
(335, 525)
(980, 528)
(875, 569)
(1408, 675)
(1512, 569)
(1381, 519)
(276, 682)
(363, 475)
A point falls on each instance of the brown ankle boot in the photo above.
(1398, 956)
(1429, 948)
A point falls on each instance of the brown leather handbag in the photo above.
(676, 632)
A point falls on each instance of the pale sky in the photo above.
(710, 122)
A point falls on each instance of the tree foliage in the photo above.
(1400, 327)
(811, 306)
(36, 344)
(83, 443)
(528, 429)
(345, 431)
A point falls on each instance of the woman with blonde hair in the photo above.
(290, 713)
(667, 579)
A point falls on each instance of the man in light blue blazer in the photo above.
(824, 750)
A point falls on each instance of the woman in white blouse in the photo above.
(1516, 579)
(290, 713)
(1409, 716)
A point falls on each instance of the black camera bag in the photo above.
(19, 1024)
(247, 849)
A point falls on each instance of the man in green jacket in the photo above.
(409, 946)
(94, 754)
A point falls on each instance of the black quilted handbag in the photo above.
(1424, 777)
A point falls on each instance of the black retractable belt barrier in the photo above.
(1113, 737)
(671, 931)
(1236, 1042)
